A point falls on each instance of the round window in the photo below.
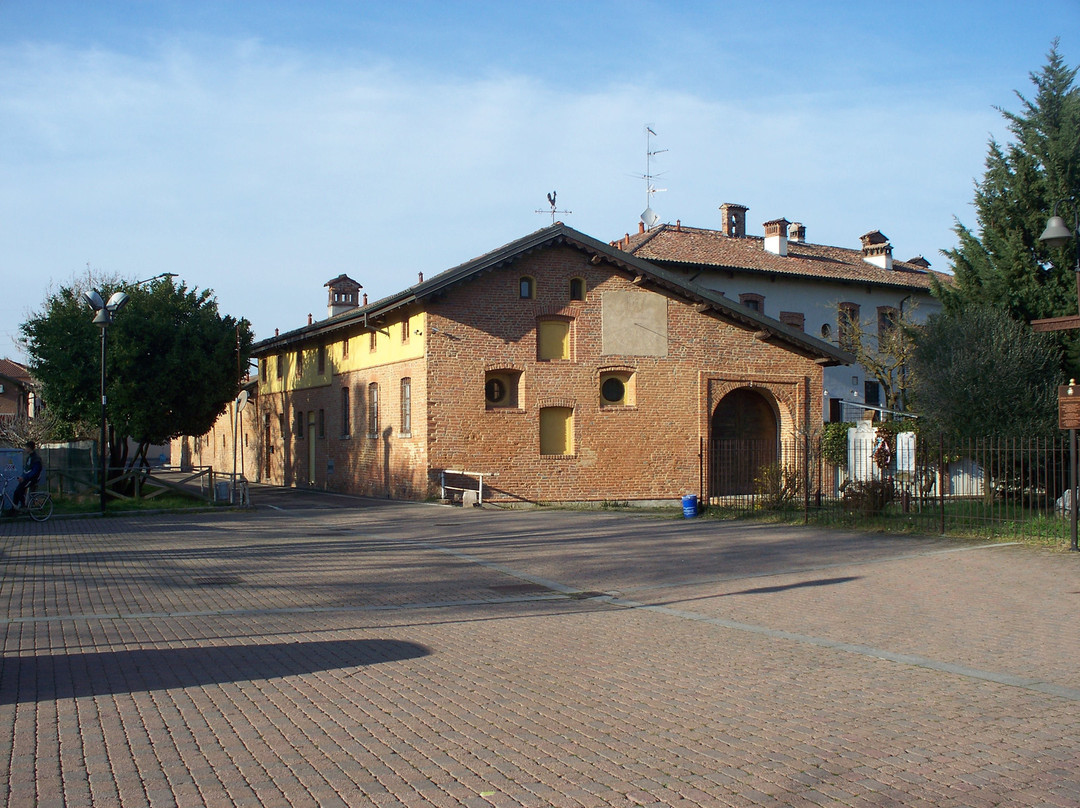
(613, 390)
(495, 390)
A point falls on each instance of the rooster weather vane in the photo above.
(553, 211)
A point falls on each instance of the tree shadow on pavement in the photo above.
(62, 676)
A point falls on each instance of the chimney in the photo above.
(876, 249)
(797, 232)
(343, 295)
(776, 236)
(309, 319)
(419, 277)
(920, 262)
(734, 220)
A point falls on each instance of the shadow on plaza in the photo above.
(60, 676)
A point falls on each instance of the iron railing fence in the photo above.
(988, 487)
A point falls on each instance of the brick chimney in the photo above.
(776, 234)
(797, 232)
(876, 249)
(343, 295)
(734, 220)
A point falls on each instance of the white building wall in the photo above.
(818, 301)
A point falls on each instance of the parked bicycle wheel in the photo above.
(39, 506)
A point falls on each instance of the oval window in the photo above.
(613, 390)
(494, 390)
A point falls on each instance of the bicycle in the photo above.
(38, 505)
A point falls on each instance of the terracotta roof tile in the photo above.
(14, 370)
(669, 244)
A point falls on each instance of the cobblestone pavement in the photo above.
(328, 651)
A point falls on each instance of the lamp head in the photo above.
(116, 302)
(1057, 233)
(93, 300)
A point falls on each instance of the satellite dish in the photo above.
(650, 218)
(242, 400)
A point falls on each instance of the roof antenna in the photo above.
(648, 216)
(551, 201)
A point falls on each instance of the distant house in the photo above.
(18, 398)
(814, 288)
(561, 367)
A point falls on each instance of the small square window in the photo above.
(526, 287)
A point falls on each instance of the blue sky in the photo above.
(261, 148)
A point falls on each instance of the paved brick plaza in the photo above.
(323, 651)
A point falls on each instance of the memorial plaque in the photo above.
(1069, 406)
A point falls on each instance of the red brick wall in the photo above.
(649, 451)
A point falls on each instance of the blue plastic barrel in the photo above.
(689, 506)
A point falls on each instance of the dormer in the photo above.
(344, 295)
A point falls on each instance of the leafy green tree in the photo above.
(1004, 264)
(173, 362)
(978, 373)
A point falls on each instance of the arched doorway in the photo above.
(743, 437)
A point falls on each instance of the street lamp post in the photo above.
(103, 314)
(1058, 234)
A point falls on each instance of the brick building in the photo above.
(560, 366)
(816, 288)
(17, 391)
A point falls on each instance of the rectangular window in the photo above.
(345, 426)
(322, 359)
(299, 361)
(299, 429)
(345, 348)
(322, 423)
(872, 391)
(887, 318)
(847, 322)
(556, 430)
(553, 339)
(281, 366)
(373, 410)
(406, 406)
(374, 340)
(405, 330)
(264, 369)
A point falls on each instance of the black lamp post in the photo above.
(103, 316)
(1058, 234)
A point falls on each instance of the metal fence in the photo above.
(990, 487)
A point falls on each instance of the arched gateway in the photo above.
(743, 437)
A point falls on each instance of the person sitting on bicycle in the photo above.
(31, 472)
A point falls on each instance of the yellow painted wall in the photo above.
(389, 347)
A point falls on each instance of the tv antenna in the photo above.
(648, 216)
(551, 201)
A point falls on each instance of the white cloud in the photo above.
(261, 173)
